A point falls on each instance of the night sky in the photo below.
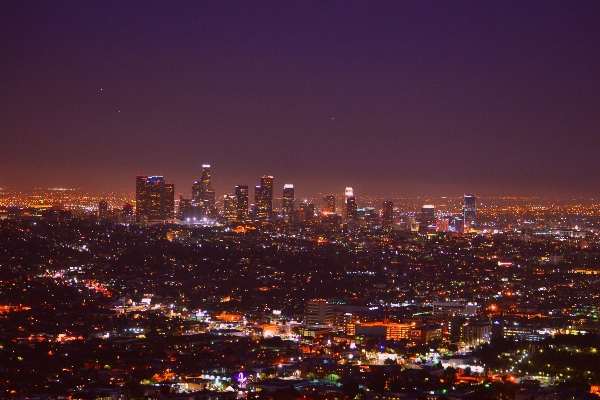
(404, 98)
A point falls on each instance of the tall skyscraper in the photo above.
(103, 209)
(469, 211)
(348, 192)
(197, 193)
(351, 208)
(169, 201)
(288, 203)
(241, 195)
(230, 207)
(263, 198)
(151, 198)
(329, 204)
(203, 194)
(387, 213)
(205, 181)
(427, 215)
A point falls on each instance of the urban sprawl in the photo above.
(142, 295)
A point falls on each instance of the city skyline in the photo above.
(407, 98)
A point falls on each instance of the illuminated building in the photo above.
(103, 209)
(387, 213)
(197, 192)
(428, 214)
(288, 203)
(151, 198)
(230, 207)
(306, 212)
(263, 198)
(459, 226)
(169, 200)
(329, 204)
(476, 333)
(182, 206)
(127, 213)
(319, 313)
(384, 329)
(241, 195)
(203, 194)
(351, 208)
(348, 192)
(443, 224)
(469, 211)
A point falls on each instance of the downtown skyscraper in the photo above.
(263, 198)
(288, 203)
(469, 211)
(155, 199)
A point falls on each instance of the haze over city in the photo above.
(403, 98)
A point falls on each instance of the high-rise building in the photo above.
(288, 203)
(205, 181)
(151, 198)
(348, 192)
(263, 198)
(387, 213)
(459, 225)
(469, 211)
(103, 209)
(203, 194)
(230, 207)
(197, 193)
(351, 208)
(183, 206)
(329, 204)
(427, 215)
(318, 313)
(241, 195)
(169, 201)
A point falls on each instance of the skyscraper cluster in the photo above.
(155, 201)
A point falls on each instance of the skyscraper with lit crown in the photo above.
(288, 203)
(154, 199)
(469, 211)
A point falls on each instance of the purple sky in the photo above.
(403, 97)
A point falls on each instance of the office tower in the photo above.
(169, 204)
(230, 207)
(126, 213)
(203, 194)
(300, 213)
(387, 213)
(318, 313)
(288, 203)
(442, 224)
(102, 209)
(241, 195)
(310, 211)
(348, 192)
(370, 215)
(151, 199)
(205, 181)
(469, 211)
(184, 205)
(197, 194)
(427, 214)
(263, 198)
(459, 225)
(351, 208)
(329, 204)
